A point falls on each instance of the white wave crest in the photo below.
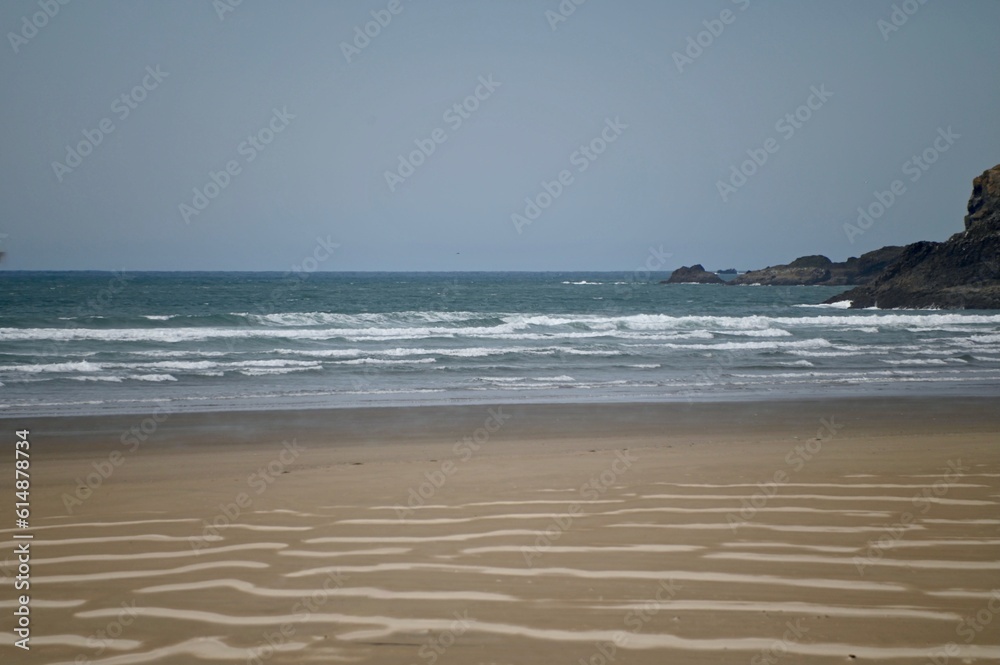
(843, 304)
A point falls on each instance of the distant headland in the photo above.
(962, 272)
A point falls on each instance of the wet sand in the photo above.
(798, 532)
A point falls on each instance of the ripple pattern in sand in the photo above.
(353, 587)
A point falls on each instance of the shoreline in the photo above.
(391, 424)
(932, 388)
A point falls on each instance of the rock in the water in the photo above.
(962, 272)
(818, 270)
(784, 275)
(696, 274)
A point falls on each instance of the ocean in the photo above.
(94, 343)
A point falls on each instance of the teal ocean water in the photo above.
(73, 343)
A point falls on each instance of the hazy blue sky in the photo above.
(212, 83)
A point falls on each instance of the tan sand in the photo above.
(795, 532)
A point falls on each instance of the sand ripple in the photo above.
(554, 572)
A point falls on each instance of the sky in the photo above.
(453, 135)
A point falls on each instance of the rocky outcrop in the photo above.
(962, 272)
(868, 266)
(818, 270)
(984, 204)
(784, 275)
(695, 274)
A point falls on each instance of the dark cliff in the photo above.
(962, 272)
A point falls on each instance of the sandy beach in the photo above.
(747, 532)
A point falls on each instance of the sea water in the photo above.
(93, 342)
